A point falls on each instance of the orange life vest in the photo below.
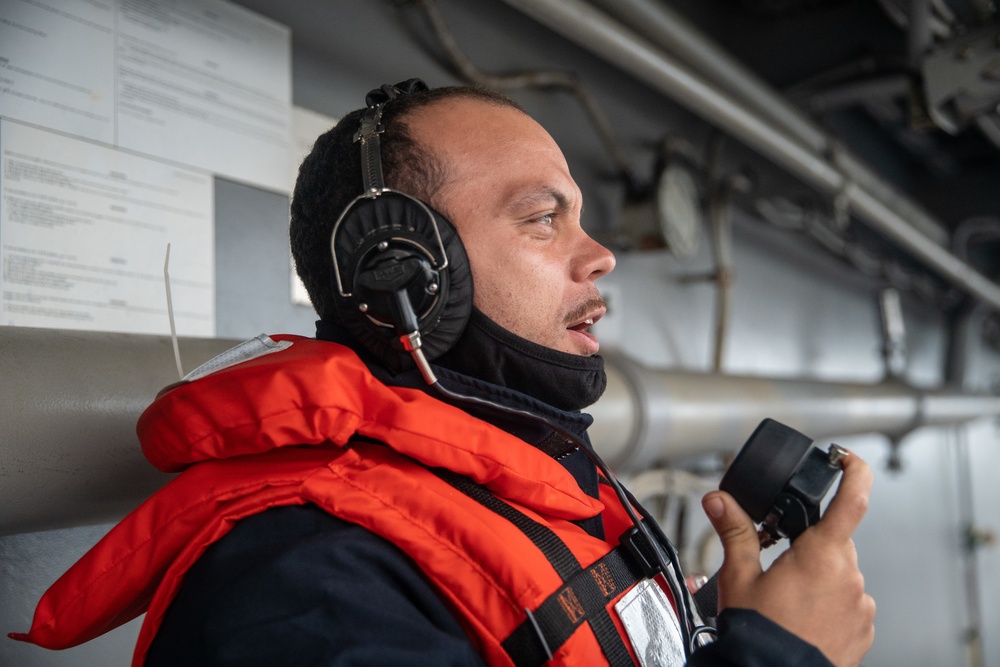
(310, 424)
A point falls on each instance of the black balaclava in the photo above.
(486, 351)
(489, 352)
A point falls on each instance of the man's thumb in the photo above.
(735, 528)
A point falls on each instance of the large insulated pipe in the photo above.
(884, 210)
(70, 400)
(650, 416)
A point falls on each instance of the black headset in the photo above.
(401, 277)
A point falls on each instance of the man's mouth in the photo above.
(586, 314)
(579, 321)
(584, 325)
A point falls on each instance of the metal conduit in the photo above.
(69, 454)
(653, 416)
(666, 28)
(886, 211)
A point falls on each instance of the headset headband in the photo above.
(371, 128)
(371, 149)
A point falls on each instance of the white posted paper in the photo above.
(206, 83)
(57, 65)
(83, 235)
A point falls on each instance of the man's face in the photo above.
(517, 210)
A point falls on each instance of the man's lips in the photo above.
(587, 322)
(579, 321)
(586, 314)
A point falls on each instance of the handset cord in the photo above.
(411, 343)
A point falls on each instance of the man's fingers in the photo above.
(737, 532)
(851, 553)
(850, 502)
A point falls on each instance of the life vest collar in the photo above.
(310, 392)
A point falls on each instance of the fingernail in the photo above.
(714, 506)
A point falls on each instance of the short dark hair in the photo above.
(330, 178)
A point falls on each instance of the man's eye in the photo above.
(545, 219)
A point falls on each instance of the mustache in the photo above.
(584, 308)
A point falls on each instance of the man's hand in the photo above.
(815, 589)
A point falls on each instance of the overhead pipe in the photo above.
(669, 30)
(69, 454)
(648, 417)
(884, 210)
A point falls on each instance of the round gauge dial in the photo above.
(678, 210)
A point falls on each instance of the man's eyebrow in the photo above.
(544, 195)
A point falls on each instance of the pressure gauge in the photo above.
(678, 211)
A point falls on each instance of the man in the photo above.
(354, 517)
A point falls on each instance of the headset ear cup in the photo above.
(395, 228)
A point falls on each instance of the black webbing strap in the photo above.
(583, 596)
(559, 555)
(562, 612)
(556, 445)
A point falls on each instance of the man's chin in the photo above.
(581, 343)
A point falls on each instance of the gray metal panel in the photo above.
(253, 265)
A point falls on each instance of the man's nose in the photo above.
(594, 260)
